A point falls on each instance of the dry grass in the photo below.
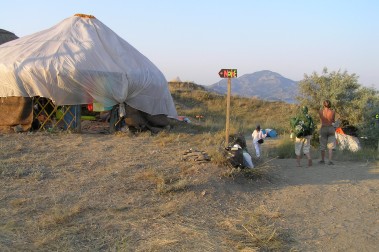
(75, 192)
(124, 192)
(259, 230)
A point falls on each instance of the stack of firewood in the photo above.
(196, 155)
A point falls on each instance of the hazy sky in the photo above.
(194, 39)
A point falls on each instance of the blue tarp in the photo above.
(270, 132)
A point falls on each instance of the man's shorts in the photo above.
(327, 138)
(305, 143)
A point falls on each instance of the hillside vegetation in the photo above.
(193, 100)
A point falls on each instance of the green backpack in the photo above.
(297, 126)
(302, 126)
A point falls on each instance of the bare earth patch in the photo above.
(328, 208)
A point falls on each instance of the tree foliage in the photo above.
(352, 102)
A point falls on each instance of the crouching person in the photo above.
(240, 156)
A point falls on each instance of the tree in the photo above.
(353, 103)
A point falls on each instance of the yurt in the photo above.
(81, 61)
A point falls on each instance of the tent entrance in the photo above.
(101, 121)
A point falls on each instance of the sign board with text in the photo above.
(228, 73)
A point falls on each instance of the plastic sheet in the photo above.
(81, 61)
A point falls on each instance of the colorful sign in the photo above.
(228, 73)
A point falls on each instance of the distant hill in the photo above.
(6, 36)
(266, 85)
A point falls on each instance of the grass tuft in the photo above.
(259, 230)
(172, 186)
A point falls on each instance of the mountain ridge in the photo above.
(265, 84)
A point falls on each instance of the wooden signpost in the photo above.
(228, 73)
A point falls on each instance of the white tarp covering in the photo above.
(347, 142)
(81, 61)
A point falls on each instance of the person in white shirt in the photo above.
(258, 137)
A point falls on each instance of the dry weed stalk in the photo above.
(263, 229)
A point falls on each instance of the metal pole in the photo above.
(227, 113)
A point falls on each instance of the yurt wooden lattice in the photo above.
(47, 116)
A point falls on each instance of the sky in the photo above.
(194, 39)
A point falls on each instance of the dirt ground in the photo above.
(98, 192)
(328, 208)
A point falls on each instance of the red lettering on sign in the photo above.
(228, 73)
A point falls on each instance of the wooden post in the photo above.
(113, 119)
(227, 113)
(228, 73)
(78, 118)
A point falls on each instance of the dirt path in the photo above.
(328, 208)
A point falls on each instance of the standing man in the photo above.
(303, 127)
(327, 132)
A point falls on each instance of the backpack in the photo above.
(311, 126)
(303, 126)
(298, 127)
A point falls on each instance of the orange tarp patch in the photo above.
(340, 131)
